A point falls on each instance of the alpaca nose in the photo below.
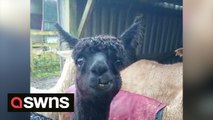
(99, 68)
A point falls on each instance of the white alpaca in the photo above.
(66, 80)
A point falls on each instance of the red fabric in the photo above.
(130, 106)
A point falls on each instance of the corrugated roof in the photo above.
(162, 27)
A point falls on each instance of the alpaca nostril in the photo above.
(99, 69)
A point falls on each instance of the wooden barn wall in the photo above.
(163, 27)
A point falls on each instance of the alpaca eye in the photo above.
(118, 63)
(80, 61)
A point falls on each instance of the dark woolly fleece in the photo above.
(133, 38)
(99, 43)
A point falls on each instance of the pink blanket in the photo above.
(130, 106)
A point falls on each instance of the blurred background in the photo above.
(198, 59)
(45, 62)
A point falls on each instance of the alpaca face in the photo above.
(97, 75)
(98, 61)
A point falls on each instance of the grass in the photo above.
(45, 65)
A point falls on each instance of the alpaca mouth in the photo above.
(104, 85)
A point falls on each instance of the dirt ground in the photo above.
(43, 83)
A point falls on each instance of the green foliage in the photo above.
(45, 65)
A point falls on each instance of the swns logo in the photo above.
(40, 102)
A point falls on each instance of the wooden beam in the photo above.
(87, 12)
(43, 33)
(64, 18)
(73, 17)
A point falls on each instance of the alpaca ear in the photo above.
(133, 30)
(66, 36)
(179, 52)
(134, 34)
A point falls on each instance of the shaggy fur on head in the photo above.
(99, 43)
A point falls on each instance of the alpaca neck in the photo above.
(91, 109)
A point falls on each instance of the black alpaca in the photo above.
(98, 61)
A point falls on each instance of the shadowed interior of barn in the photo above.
(162, 21)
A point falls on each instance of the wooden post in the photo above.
(64, 11)
(85, 16)
(68, 15)
(73, 17)
(64, 19)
